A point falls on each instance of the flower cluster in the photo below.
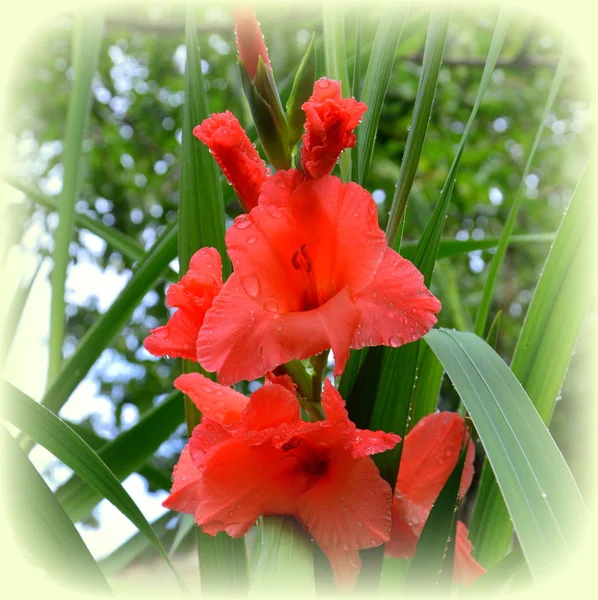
(312, 272)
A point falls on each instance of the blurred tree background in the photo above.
(132, 174)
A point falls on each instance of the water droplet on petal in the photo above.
(242, 222)
(395, 341)
(271, 305)
(207, 388)
(251, 285)
(251, 240)
(323, 83)
(356, 215)
(219, 392)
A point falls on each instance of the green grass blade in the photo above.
(422, 109)
(448, 248)
(494, 579)
(377, 78)
(125, 454)
(497, 259)
(117, 240)
(43, 526)
(335, 54)
(157, 477)
(186, 525)
(87, 38)
(125, 554)
(112, 321)
(222, 559)
(543, 351)
(425, 254)
(57, 437)
(12, 316)
(432, 564)
(541, 495)
(427, 386)
(286, 558)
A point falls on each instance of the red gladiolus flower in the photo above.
(430, 452)
(329, 125)
(312, 271)
(250, 39)
(193, 296)
(241, 164)
(257, 457)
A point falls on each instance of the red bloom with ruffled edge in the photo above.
(430, 452)
(329, 125)
(312, 271)
(241, 164)
(253, 457)
(250, 40)
(193, 296)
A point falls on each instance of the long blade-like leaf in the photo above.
(113, 237)
(222, 559)
(377, 78)
(87, 37)
(125, 454)
(112, 321)
(422, 110)
(45, 428)
(42, 524)
(335, 53)
(543, 351)
(540, 493)
(497, 259)
(286, 558)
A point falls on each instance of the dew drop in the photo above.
(219, 392)
(278, 328)
(231, 513)
(346, 547)
(207, 388)
(242, 222)
(323, 83)
(271, 305)
(251, 285)
(251, 240)
(356, 215)
(395, 341)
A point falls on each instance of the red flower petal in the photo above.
(240, 339)
(396, 307)
(217, 402)
(271, 406)
(193, 296)
(329, 125)
(430, 454)
(466, 569)
(347, 510)
(250, 40)
(241, 164)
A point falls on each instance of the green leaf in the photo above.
(303, 86)
(335, 54)
(42, 524)
(201, 209)
(427, 386)
(87, 38)
(112, 321)
(540, 493)
(543, 351)
(377, 78)
(117, 240)
(286, 558)
(156, 476)
(494, 579)
(432, 564)
(497, 259)
(448, 248)
(186, 525)
(422, 109)
(222, 560)
(45, 428)
(426, 251)
(125, 454)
